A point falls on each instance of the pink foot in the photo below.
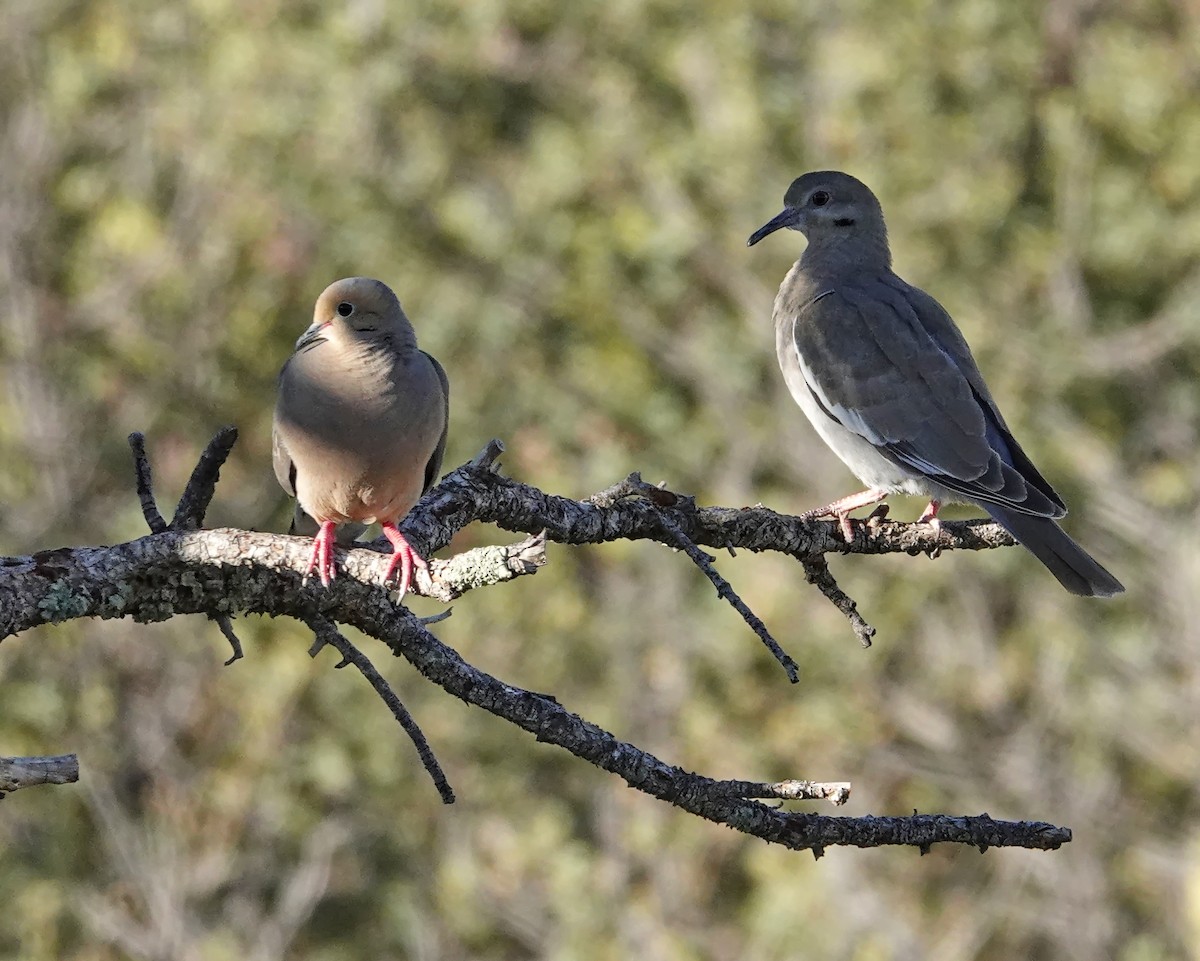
(403, 555)
(929, 516)
(322, 553)
(840, 509)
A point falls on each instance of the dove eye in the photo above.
(344, 309)
(819, 199)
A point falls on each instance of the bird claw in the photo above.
(929, 516)
(845, 527)
(404, 556)
(322, 554)
(877, 516)
(840, 510)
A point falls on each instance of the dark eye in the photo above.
(344, 309)
(819, 198)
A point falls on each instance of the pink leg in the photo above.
(840, 509)
(929, 516)
(404, 555)
(322, 553)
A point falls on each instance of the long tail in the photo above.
(1074, 567)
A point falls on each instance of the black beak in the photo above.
(788, 217)
(311, 337)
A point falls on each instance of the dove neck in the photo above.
(377, 357)
(833, 252)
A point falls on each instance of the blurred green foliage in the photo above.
(560, 194)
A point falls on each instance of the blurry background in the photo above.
(560, 194)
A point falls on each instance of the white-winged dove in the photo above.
(889, 383)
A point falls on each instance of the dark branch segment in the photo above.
(816, 572)
(145, 489)
(547, 720)
(471, 494)
(326, 633)
(634, 486)
(201, 486)
(226, 626)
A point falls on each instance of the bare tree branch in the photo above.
(326, 633)
(816, 572)
(473, 493)
(189, 514)
(19, 772)
(633, 485)
(221, 572)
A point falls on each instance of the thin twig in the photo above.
(483, 566)
(634, 485)
(327, 633)
(449, 579)
(726, 592)
(226, 626)
(201, 486)
(486, 458)
(837, 792)
(817, 573)
(145, 489)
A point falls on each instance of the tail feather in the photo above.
(1074, 567)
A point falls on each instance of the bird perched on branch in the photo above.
(360, 423)
(889, 383)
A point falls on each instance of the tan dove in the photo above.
(360, 422)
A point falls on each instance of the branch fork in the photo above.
(181, 568)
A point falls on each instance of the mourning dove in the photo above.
(360, 422)
(889, 383)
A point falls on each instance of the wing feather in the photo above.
(885, 360)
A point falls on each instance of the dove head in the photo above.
(358, 311)
(831, 209)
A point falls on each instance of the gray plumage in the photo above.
(886, 378)
(360, 420)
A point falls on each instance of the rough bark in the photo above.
(181, 569)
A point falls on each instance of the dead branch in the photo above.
(181, 570)
(19, 772)
(327, 633)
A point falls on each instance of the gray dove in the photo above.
(360, 423)
(886, 378)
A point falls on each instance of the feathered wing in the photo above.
(885, 361)
(285, 467)
(435, 461)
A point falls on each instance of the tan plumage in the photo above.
(360, 420)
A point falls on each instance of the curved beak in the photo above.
(788, 217)
(312, 336)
